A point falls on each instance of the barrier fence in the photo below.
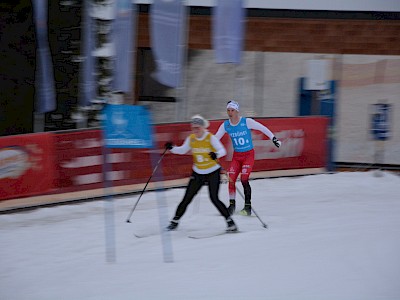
(61, 162)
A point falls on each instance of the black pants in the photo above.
(195, 184)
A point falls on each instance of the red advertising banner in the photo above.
(78, 156)
(79, 162)
(26, 165)
(304, 143)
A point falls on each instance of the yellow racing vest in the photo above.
(200, 151)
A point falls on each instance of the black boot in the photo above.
(231, 207)
(173, 225)
(246, 211)
(231, 226)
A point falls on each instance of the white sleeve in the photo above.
(221, 131)
(253, 124)
(219, 148)
(182, 149)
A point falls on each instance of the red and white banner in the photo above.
(304, 143)
(79, 162)
(26, 165)
(76, 163)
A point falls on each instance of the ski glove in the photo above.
(168, 145)
(276, 142)
(213, 155)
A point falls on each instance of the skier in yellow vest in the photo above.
(206, 149)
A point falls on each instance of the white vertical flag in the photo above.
(87, 80)
(44, 82)
(124, 32)
(167, 36)
(228, 30)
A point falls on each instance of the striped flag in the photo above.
(228, 30)
(44, 83)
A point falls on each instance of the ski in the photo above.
(210, 235)
(141, 235)
(203, 235)
(145, 234)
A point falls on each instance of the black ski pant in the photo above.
(195, 183)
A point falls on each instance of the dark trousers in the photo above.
(195, 184)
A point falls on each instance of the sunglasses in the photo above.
(233, 102)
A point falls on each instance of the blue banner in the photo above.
(127, 126)
(88, 84)
(124, 31)
(167, 36)
(228, 30)
(44, 82)
(380, 121)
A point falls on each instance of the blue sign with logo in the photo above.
(380, 121)
(127, 126)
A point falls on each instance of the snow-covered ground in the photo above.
(330, 236)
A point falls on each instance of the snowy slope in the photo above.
(330, 236)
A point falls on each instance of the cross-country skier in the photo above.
(239, 130)
(206, 149)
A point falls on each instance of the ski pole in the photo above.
(255, 213)
(241, 194)
(155, 168)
